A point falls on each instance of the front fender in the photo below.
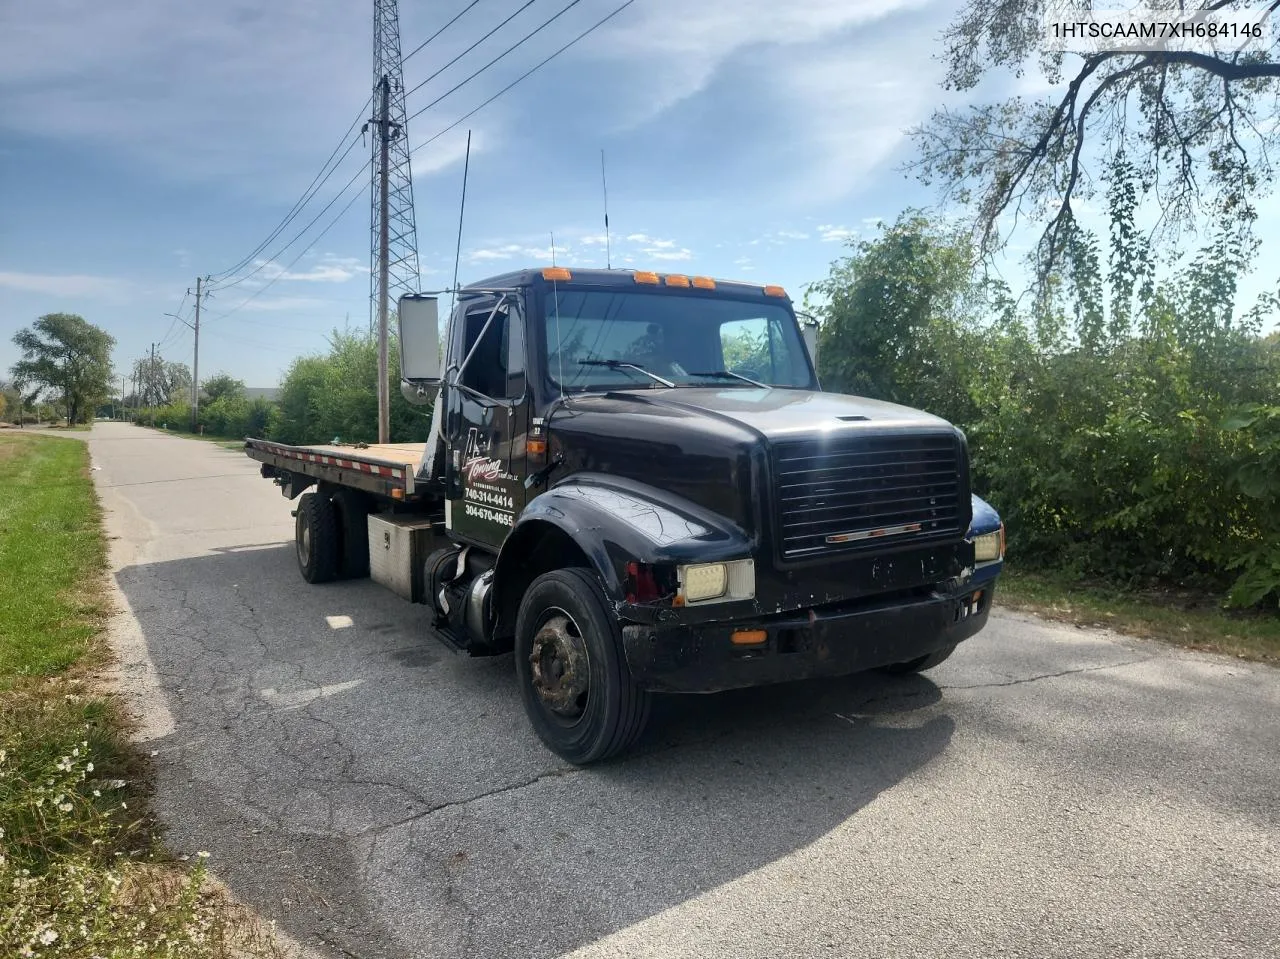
(615, 521)
(985, 520)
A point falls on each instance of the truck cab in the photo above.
(636, 483)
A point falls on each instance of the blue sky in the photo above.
(141, 144)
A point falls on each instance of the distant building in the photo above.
(271, 393)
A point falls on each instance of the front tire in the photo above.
(317, 537)
(577, 688)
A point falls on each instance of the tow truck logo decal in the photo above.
(476, 464)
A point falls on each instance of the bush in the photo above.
(323, 397)
(1100, 422)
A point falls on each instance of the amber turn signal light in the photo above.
(749, 637)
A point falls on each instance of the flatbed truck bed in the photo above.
(384, 469)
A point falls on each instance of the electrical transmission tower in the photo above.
(393, 258)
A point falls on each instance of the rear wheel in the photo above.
(316, 535)
(921, 663)
(574, 678)
(353, 512)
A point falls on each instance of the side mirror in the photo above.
(810, 330)
(419, 318)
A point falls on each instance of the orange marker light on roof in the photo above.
(704, 283)
(556, 273)
(676, 279)
(643, 276)
(774, 291)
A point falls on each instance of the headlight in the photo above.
(989, 546)
(710, 581)
(704, 582)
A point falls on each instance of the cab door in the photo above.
(486, 422)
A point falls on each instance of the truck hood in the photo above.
(778, 413)
(709, 445)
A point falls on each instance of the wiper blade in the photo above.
(730, 375)
(624, 365)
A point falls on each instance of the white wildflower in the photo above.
(203, 855)
(48, 937)
(65, 806)
(88, 767)
(97, 793)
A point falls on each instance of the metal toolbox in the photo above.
(398, 548)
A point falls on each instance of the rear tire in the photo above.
(921, 663)
(316, 537)
(353, 510)
(574, 679)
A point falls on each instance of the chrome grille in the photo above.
(860, 492)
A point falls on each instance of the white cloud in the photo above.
(330, 269)
(792, 235)
(678, 63)
(68, 284)
(830, 233)
(517, 251)
(281, 303)
(655, 253)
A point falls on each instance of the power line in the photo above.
(524, 76)
(528, 36)
(298, 236)
(519, 11)
(456, 18)
(317, 182)
(318, 237)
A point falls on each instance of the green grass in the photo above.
(52, 556)
(1192, 620)
(80, 871)
(226, 442)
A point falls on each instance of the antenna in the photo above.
(457, 256)
(553, 247)
(608, 252)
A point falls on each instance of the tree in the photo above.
(67, 356)
(1199, 128)
(896, 316)
(222, 385)
(160, 382)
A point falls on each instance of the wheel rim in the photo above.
(304, 545)
(560, 667)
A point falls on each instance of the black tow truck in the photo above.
(635, 482)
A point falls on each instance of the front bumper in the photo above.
(828, 641)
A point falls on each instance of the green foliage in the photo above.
(65, 356)
(329, 396)
(224, 384)
(898, 319)
(1096, 420)
(233, 415)
(160, 383)
(1257, 475)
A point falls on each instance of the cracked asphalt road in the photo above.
(1049, 791)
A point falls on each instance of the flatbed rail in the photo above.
(385, 469)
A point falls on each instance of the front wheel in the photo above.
(577, 688)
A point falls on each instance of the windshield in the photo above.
(675, 339)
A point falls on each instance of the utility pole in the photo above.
(151, 373)
(384, 265)
(393, 252)
(195, 369)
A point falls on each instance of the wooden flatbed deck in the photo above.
(387, 469)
